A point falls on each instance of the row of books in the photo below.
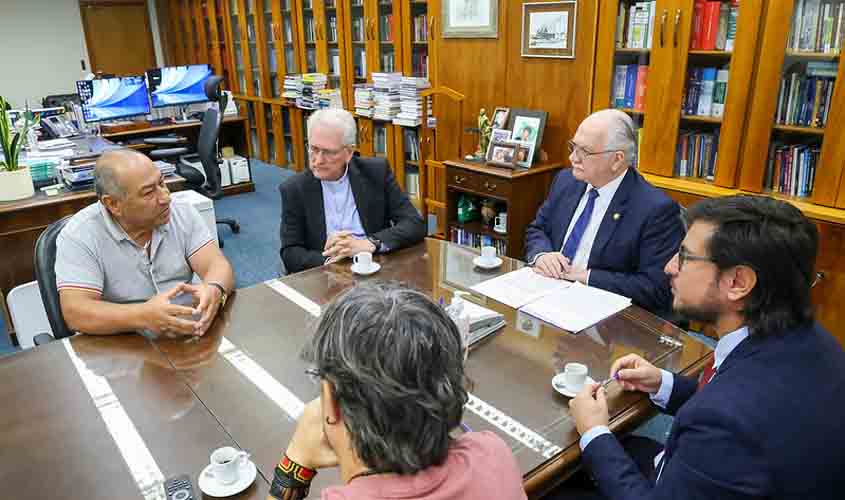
(706, 91)
(635, 24)
(412, 144)
(359, 63)
(410, 101)
(714, 25)
(791, 168)
(412, 182)
(419, 64)
(696, 154)
(421, 28)
(817, 26)
(358, 29)
(380, 140)
(805, 94)
(388, 62)
(364, 104)
(629, 86)
(476, 240)
(385, 26)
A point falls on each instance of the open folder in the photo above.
(567, 305)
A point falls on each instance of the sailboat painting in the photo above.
(548, 30)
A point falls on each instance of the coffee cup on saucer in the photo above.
(227, 464)
(488, 255)
(362, 263)
(574, 376)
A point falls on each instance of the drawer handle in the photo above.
(490, 187)
(459, 179)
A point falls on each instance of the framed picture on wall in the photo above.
(548, 29)
(470, 18)
(527, 125)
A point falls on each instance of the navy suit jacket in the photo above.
(386, 212)
(639, 234)
(768, 425)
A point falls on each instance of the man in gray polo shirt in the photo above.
(126, 262)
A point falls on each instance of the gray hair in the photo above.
(621, 133)
(336, 119)
(106, 180)
(395, 360)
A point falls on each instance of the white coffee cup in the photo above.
(501, 222)
(488, 254)
(574, 376)
(226, 463)
(364, 260)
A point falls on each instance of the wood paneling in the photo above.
(214, 39)
(262, 52)
(200, 15)
(118, 36)
(234, 80)
(244, 47)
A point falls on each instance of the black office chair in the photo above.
(45, 274)
(208, 184)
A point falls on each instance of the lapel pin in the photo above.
(616, 216)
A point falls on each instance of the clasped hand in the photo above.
(168, 319)
(555, 265)
(343, 244)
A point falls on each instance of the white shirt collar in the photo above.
(607, 191)
(727, 344)
(342, 180)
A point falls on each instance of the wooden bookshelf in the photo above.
(702, 119)
(799, 130)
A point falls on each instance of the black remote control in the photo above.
(179, 488)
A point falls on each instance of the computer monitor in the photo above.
(113, 98)
(178, 85)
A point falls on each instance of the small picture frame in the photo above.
(527, 126)
(470, 18)
(497, 135)
(548, 29)
(500, 118)
(501, 154)
(524, 154)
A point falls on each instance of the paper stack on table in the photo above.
(570, 306)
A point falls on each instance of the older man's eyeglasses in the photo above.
(685, 255)
(581, 152)
(324, 152)
(314, 374)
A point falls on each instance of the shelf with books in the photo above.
(632, 51)
(702, 119)
(479, 228)
(711, 53)
(799, 130)
(826, 56)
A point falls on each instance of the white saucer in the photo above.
(500, 231)
(210, 486)
(357, 269)
(560, 386)
(492, 264)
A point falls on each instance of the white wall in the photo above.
(41, 44)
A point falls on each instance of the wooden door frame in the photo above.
(111, 3)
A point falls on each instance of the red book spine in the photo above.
(710, 25)
(642, 83)
(697, 21)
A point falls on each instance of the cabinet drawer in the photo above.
(493, 186)
(462, 179)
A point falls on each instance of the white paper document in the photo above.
(519, 287)
(576, 307)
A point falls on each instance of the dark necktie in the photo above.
(571, 245)
(708, 373)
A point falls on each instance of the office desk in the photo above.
(244, 382)
(103, 418)
(22, 221)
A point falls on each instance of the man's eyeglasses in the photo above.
(582, 153)
(326, 153)
(314, 374)
(684, 255)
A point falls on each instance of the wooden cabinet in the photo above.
(696, 143)
(519, 193)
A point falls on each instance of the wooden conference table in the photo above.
(111, 417)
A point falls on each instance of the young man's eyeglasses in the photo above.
(326, 153)
(684, 255)
(582, 153)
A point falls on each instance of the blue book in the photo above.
(631, 85)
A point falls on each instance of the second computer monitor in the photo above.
(113, 98)
(178, 85)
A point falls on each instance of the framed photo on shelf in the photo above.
(497, 135)
(527, 125)
(470, 18)
(524, 154)
(501, 154)
(548, 29)
(500, 117)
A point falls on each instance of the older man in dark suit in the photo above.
(603, 224)
(343, 204)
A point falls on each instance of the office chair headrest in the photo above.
(212, 87)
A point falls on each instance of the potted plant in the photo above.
(15, 179)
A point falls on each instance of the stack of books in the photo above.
(696, 154)
(714, 25)
(364, 100)
(312, 84)
(817, 26)
(791, 168)
(635, 24)
(805, 94)
(292, 87)
(410, 102)
(329, 98)
(706, 91)
(386, 95)
(629, 86)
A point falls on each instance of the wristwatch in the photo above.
(223, 294)
(376, 243)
